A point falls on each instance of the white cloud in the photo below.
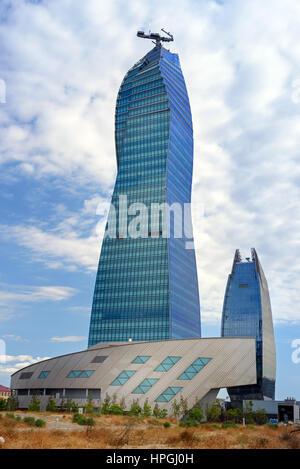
(16, 338)
(11, 296)
(240, 60)
(10, 364)
(69, 338)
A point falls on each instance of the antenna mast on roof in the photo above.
(156, 37)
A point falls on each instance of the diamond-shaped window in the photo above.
(122, 378)
(167, 364)
(168, 394)
(141, 359)
(194, 368)
(145, 386)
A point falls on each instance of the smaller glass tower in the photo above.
(247, 313)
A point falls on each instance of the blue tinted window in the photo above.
(167, 364)
(194, 368)
(123, 378)
(80, 373)
(44, 374)
(145, 386)
(141, 359)
(168, 394)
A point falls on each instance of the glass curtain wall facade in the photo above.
(247, 313)
(146, 285)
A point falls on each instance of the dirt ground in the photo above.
(129, 432)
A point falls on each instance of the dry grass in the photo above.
(126, 432)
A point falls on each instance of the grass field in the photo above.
(130, 432)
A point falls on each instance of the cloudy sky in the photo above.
(61, 65)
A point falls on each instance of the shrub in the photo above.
(10, 415)
(71, 406)
(35, 405)
(89, 407)
(82, 420)
(79, 418)
(12, 403)
(147, 410)
(40, 423)
(159, 413)
(176, 409)
(260, 417)
(106, 405)
(116, 409)
(195, 415)
(51, 405)
(3, 404)
(29, 420)
(234, 415)
(167, 424)
(214, 413)
(135, 410)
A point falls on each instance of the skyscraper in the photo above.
(146, 285)
(247, 313)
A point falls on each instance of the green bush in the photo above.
(260, 417)
(51, 405)
(40, 423)
(71, 406)
(234, 415)
(29, 420)
(159, 413)
(3, 404)
(167, 424)
(147, 410)
(176, 409)
(229, 425)
(116, 409)
(35, 405)
(214, 413)
(89, 407)
(135, 410)
(10, 415)
(82, 420)
(195, 415)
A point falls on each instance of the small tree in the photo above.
(3, 404)
(159, 413)
(135, 410)
(35, 405)
(106, 406)
(193, 418)
(12, 403)
(183, 405)
(260, 417)
(116, 409)
(147, 411)
(51, 405)
(176, 409)
(214, 413)
(89, 407)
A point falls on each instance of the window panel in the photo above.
(167, 363)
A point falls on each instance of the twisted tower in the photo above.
(146, 285)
